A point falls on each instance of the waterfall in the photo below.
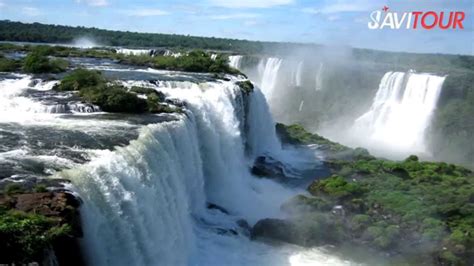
(319, 76)
(270, 76)
(144, 203)
(234, 61)
(301, 106)
(138, 199)
(299, 73)
(261, 127)
(401, 111)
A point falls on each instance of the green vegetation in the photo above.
(13, 188)
(8, 65)
(38, 62)
(40, 188)
(36, 32)
(246, 86)
(111, 97)
(80, 78)
(26, 236)
(452, 129)
(390, 205)
(59, 51)
(420, 62)
(194, 61)
(296, 134)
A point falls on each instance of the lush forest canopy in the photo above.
(36, 32)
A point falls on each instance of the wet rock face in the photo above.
(213, 206)
(59, 205)
(276, 229)
(267, 166)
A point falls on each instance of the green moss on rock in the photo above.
(246, 86)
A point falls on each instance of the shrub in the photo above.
(40, 188)
(114, 98)
(383, 236)
(336, 186)
(8, 65)
(80, 78)
(360, 221)
(36, 62)
(412, 158)
(13, 188)
(26, 236)
(93, 88)
(433, 229)
(194, 61)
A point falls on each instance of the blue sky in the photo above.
(332, 22)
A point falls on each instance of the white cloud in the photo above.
(145, 12)
(338, 6)
(94, 2)
(250, 3)
(2, 4)
(250, 23)
(235, 16)
(31, 11)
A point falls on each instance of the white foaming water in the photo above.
(234, 61)
(10, 89)
(15, 106)
(72, 107)
(12, 104)
(270, 76)
(144, 204)
(133, 51)
(401, 111)
(171, 53)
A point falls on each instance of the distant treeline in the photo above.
(433, 63)
(37, 32)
